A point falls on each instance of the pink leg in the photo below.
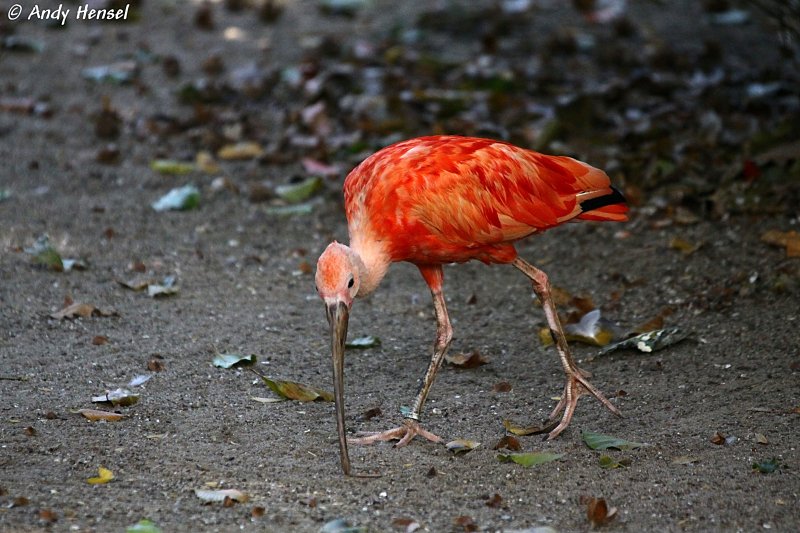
(444, 334)
(577, 382)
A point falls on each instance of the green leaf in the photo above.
(609, 462)
(119, 397)
(45, 255)
(143, 526)
(597, 441)
(297, 391)
(529, 459)
(367, 341)
(49, 258)
(227, 360)
(171, 166)
(178, 199)
(767, 466)
(521, 431)
(298, 192)
(288, 210)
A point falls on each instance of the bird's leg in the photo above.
(577, 379)
(444, 334)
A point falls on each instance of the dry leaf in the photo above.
(104, 476)
(462, 446)
(296, 391)
(502, 386)
(466, 361)
(684, 246)
(521, 430)
(98, 414)
(221, 495)
(599, 513)
(48, 515)
(495, 501)
(239, 151)
(139, 283)
(509, 442)
(788, 239)
(78, 309)
(466, 522)
(120, 396)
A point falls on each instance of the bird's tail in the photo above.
(608, 204)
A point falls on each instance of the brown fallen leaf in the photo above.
(139, 283)
(369, 414)
(98, 414)
(48, 515)
(156, 364)
(466, 522)
(78, 309)
(599, 513)
(684, 246)
(717, 438)
(20, 501)
(406, 524)
(466, 361)
(99, 340)
(685, 460)
(508, 442)
(502, 386)
(788, 239)
(494, 501)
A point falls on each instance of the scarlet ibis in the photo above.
(450, 199)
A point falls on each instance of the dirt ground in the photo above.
(246, 286)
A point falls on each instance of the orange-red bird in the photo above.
(445, 199)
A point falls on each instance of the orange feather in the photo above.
(443, 199)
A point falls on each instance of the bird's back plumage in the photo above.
(451, 199)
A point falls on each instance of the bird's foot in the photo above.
(404, 434)
(576, 386)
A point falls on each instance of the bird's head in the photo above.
(337, 276)
(337, 281)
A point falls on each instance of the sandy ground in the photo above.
(245, 287)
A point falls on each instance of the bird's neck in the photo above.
(372, 263)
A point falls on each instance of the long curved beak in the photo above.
(338, 317)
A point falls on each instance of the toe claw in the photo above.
(404, 434)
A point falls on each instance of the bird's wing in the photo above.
(489, 192)
(466, 192)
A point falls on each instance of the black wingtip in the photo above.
(614, 197)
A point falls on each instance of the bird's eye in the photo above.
(351, 283)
